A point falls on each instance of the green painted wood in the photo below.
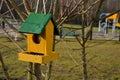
(36, 23)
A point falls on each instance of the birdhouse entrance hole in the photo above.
(36, 38)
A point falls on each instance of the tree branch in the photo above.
(27, 6)
(19, 11)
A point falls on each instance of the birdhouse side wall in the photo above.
(49, 32)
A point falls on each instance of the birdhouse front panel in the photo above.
(34, 45)
(43, 43)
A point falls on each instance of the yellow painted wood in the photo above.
(114, 17)
(118, 25)
(40, 52)
(27, 56)
(37, 48)
(49, 32)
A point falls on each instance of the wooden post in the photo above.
(91, 32)
(37, 71)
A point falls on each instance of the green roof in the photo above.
(36, 23)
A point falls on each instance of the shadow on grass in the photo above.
(93, 43)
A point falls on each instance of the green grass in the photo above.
(71, 26)
(102, 56)
(10, 52)
(103, 59)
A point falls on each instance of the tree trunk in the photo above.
(91, 31)
(84, 64)
(83, 42)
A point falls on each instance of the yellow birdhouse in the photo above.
(40, 29)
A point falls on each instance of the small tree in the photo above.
(63, 11)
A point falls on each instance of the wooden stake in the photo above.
(37, 71)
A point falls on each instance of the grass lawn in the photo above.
(103, 59)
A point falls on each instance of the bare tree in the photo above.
(63, 11)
